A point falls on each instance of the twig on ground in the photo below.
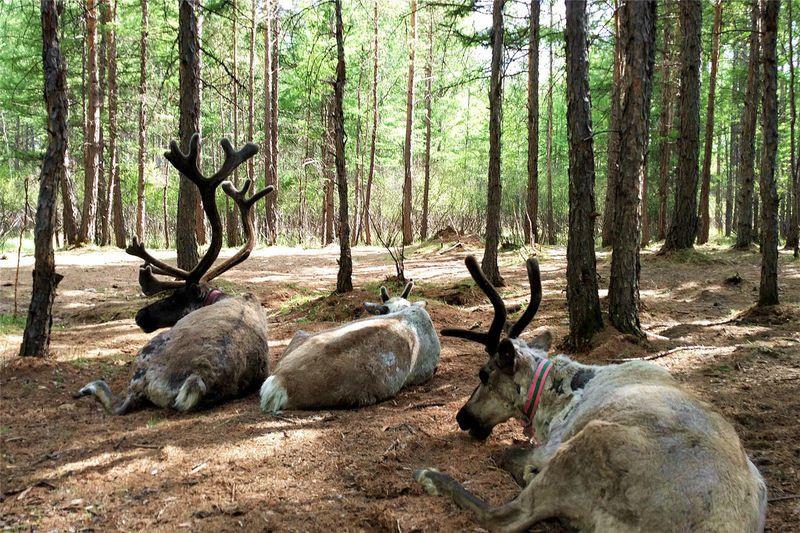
(665, 353)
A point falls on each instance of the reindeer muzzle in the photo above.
(468, 422)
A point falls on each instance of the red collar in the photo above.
(534, 395)
(212, 297)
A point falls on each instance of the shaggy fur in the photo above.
(360, 363)
(623, 448)
(213, 354)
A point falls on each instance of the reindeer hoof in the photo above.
(425, 477)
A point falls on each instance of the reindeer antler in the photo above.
(535, 281)
(187, 164)
(491, 338)
(245, 204)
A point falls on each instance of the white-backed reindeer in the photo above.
(216, 347)
(621, 447)
(357, 364)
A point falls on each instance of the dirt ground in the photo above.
(67, 465)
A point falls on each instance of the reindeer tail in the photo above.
(273, 395)
(113, 404)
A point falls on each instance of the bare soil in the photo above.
(67, 465)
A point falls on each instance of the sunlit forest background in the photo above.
(452, 69)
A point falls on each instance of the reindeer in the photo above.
(357, 364)
(620, 447)
(216, 348)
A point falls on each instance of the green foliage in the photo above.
(11, 324)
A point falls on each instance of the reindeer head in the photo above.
(390, 304)
(495, 398)
(192, 290)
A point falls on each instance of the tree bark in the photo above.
(273, 130)
(638, 27)
(328, 174)
(270, 217)
(86, 233)
(251, 80)
(423, 229)
(142, 137)
(612, 178)
(102, 223)
(704, 223)
(189, 104)
(582, 297)
(768, 288)
(36, 337)
(744, 200)
(114, 193)
(495, 187)
(374, 138)
(684, 219)
(549, 222)
(665, 127)
(531, 221)
(232, 225)
(344, 279)
(69, 211)
(794, 182)
(408, 234)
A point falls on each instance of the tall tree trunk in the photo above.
(684, 219)
(531, 221)
(69, 212)
(270, 218)
(423, 229)
(665, 126)
(638, 28)
(612, 178)
(92, 138)
(582, 297)
(101, 230)
(733, 172)
(645, 177)
(273, 130)
(374, 138)
(495, 187)
(36, 338)
(344, 279)
(357, 173)
(705, 179)
(115, 193)
(744, 201)
(408, 234)
(794, 182)
(768, 288)
(549, 221)
(718, 186)
(189, 104)
(327, 172)
(251, 80)
(140, 156)
(232, 225)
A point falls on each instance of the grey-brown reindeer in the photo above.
(357, 364)
(621, 447)
(216, 348)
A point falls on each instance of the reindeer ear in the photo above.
(541, 341)
(384, 295)
(421, 304)
(506, 355)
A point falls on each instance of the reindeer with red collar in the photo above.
(617, 448)
(216, 347)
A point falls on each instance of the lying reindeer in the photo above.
(216, 348)
(360, 363)
(622, 448)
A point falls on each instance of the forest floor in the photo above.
(67, 465)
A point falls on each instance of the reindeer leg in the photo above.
(516, 515)
(190, 393)
(110, 402)
(516, 460)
